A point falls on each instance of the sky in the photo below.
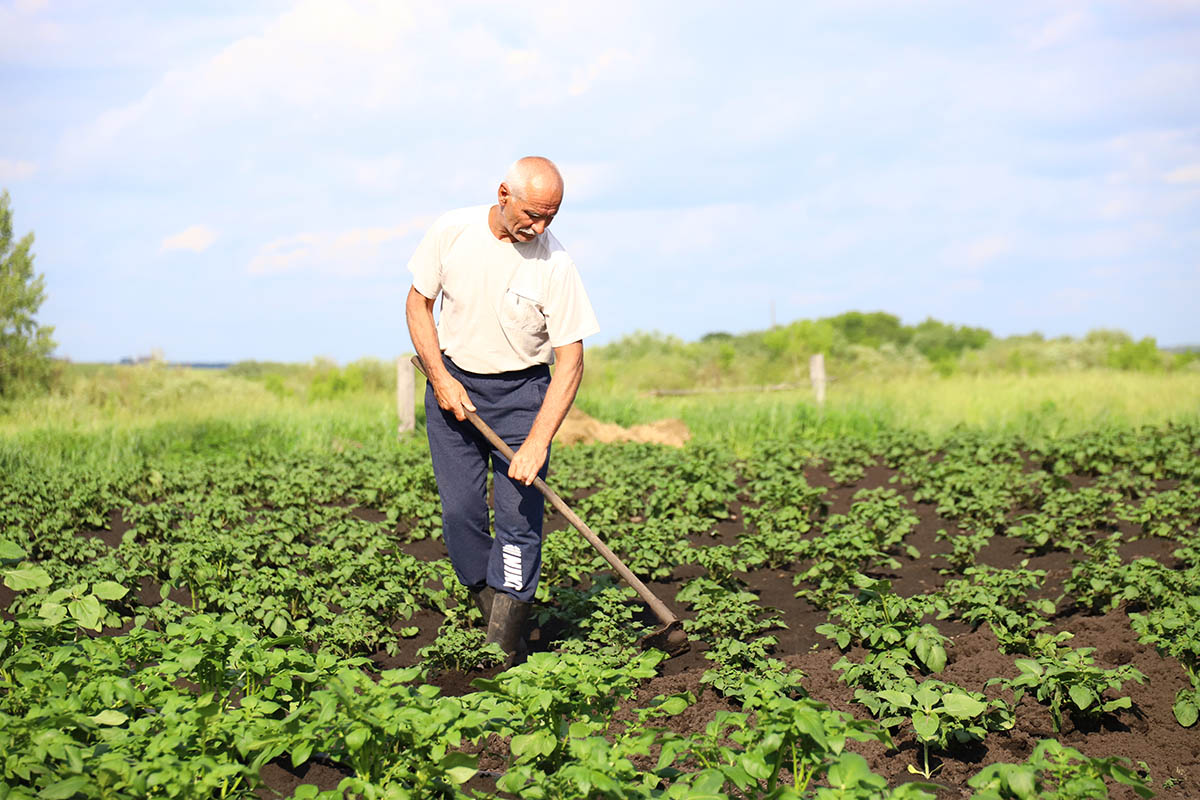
(247, 180)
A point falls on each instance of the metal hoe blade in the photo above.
(670, 639)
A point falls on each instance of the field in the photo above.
(964, 589)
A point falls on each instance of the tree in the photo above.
(871, 330)
(25, 346)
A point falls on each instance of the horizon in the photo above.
(219, 363)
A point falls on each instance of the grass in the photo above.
(109, 414)
(1036, 405)
(115, 414)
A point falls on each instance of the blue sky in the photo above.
(247, 180)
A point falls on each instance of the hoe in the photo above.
(669, 637)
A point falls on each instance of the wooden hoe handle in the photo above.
(657, 606)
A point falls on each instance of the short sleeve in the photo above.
(569, 315)
(426, 263)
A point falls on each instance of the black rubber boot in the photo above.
(505, 625)
(483, 601)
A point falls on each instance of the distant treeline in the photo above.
(319, 379)
(858, 344)
(855, 345)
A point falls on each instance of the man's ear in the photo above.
(502, 195)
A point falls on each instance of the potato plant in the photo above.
(238, 620)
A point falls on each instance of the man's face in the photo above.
(525, 217)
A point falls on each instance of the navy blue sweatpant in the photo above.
(508, 403)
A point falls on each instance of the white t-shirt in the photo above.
(505, 305)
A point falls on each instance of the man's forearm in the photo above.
(564, 385)
(423, 331)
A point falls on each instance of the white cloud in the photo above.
(357, 251)
(982, 251)
(965, 286)
(1059, 29)
(666, 235)
(1188, 174)
(371, 59)
(196, 238)
(1074, 299)
(382, 174)
(972, 255)
(587, 180)
(11, 170)
(610, 63)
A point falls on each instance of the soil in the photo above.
(1147, 734)
(579, 428)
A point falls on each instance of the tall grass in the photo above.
(1034, 405)
(117, 414)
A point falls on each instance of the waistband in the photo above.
(536, 371)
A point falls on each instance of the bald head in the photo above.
(527, 200)
(535, 177)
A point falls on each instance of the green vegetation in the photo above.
(269, 510)
(25, 346)
(1056, 772)
(861, 344)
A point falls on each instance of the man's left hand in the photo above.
(527, 462)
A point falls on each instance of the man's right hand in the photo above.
(452, 396)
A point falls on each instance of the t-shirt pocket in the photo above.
(522, 311)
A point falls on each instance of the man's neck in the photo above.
(496, 226)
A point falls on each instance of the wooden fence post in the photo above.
(816, 373)
(405, 395)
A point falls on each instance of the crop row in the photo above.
(246, 588)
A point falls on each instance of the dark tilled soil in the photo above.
(1147, 734)
(282, 779)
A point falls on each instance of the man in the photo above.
(512, 304)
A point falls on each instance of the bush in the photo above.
(366, 374)
(1142, 356)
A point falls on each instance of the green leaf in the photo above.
(1120, 702)
(52, 612)
(109, 590)
(936, 658)
(189, 658)
(673, 705)
(26, 578)
(1186, 710)
(962, 706)
(65, 789)
(10, 551)
(705, 785)
(1081, 696)
(86, 611)
(459, 767)
(1029, 666)
(579, 729)
(849, 771)
(538, 743)
(925, 725)
(356, 738)
(895, 698)
(110, 717)
(301, 752)
(755, 765)
(279, 626)
(1022, 782)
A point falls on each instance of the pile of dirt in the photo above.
(579, 428)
